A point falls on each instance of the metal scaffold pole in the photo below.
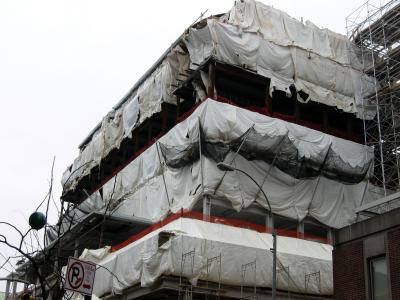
(374, 27)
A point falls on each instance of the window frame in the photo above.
(371, 260)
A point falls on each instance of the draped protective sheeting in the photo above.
(312, 173)
(118, 124)
(323, 64)
(145, 260)
(278, 27)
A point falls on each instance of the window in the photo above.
(379, 278)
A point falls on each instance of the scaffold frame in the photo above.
(375, 28)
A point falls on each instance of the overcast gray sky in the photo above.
(64, 64)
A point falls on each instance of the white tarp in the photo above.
(144, 261)
(324, 64)
(130, 116)
(118, 124)
(139, 188)
(277, 26)
(317, 61)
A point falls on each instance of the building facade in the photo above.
(366, 259)
(279, 100)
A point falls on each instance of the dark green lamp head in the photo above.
(37, 220)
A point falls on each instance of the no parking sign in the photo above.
(80, 276)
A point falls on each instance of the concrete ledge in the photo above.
(367, 227)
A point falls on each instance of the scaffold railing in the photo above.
(375, 28)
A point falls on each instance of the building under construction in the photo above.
(306, 117)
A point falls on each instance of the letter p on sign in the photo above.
(80, 276)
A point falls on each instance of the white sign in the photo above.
(80, 276)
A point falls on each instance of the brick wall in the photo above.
(393, 238)
(348, 271)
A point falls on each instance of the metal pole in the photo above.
(233, 159)
(76, 247)
(163, 176)
(227, 167)
(273, 260)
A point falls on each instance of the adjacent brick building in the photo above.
(366, 259)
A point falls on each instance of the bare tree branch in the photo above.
(31, 259)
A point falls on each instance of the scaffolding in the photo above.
(247, 269)
(284, 272)
(375, 28)
(186, 290)
(310, 278)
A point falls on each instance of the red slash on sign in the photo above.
(76, 274)
(80, 276)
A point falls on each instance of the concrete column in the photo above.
(14, 291)
(269, 221)
(300, 230)
(329, 235)
(211, 80)
(206, 208)
(7, 292)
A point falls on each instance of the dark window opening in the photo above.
(303, 95)
(164, 237)
(244, 88)
(313, 229)
(187, 104)
(169, 118)
(281, 104)
(337, 119)
(143, 134)
(128, 148)
(285, 223)
(311, 112)
(243, 93)
(155, 128)
(356, 129)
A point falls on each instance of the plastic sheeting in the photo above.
(321, 63)
(317, 61)
(295, 158)
(117, 125)
(277, 26)
(145, 260)
(139, 188)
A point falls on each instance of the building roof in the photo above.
(373, 225)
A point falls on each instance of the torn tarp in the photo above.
(312, 173)
(192, 242)
(319, 62)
